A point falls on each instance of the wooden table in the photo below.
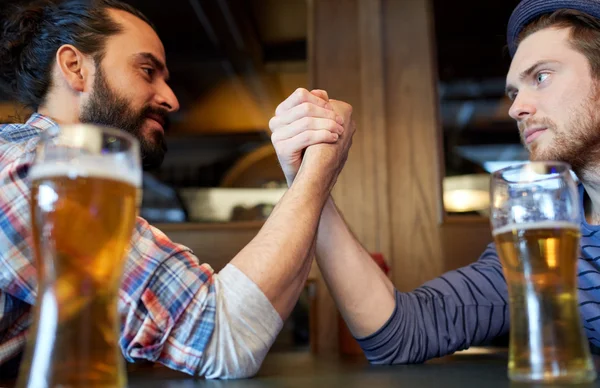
(478, 368)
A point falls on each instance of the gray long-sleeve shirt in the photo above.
(469, 306)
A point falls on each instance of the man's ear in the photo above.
(73, 66)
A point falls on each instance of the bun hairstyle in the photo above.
(31, 34)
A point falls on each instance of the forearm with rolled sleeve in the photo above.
(246, 325)
(461, 308)
(180, 313)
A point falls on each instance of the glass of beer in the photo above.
(85, 184)
(535, 217)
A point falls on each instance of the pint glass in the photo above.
(84, 195)
(535, 217)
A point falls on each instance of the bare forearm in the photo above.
(278, 258)
(362, 292)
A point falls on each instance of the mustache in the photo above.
(161, 112)
(531, 122)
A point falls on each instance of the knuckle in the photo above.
(281, 107)
(301, 93)
(306, 139)
(272, 123)
(274, 138)
(305, 123)
(306, 108)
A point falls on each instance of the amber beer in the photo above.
(546, 337)
(83, 218)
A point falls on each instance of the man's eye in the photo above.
(148, 70)
(541, 77)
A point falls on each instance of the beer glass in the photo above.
(84, 195)
(535, 217)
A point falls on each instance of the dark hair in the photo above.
(584, 34)
(32, 33)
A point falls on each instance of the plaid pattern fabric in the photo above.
(167, 298)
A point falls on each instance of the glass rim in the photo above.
(104, 129)
(122, 162)
(499, 174)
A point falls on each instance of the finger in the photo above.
(307, 124)
(306, 139)
(320, 93)
(298, 97)
(306, 109)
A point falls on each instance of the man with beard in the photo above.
(100, 61)
(105, 107)
(554, 83)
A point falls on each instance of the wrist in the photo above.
(316, 180)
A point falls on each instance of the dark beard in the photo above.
(105, 107)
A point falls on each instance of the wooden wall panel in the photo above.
(413, 132)
(463, 241)
(374, 129)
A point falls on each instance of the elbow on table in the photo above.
(236, 362)
(395, 358)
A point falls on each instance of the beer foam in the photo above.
(106, 169)
(537, 225)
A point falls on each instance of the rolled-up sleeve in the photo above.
(246, 327)
(167, 302)
(179, 313)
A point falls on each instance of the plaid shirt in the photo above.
(167, 298)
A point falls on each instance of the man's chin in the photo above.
(542, 157)
(540, 151)
(536, 156)
(152, 127)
